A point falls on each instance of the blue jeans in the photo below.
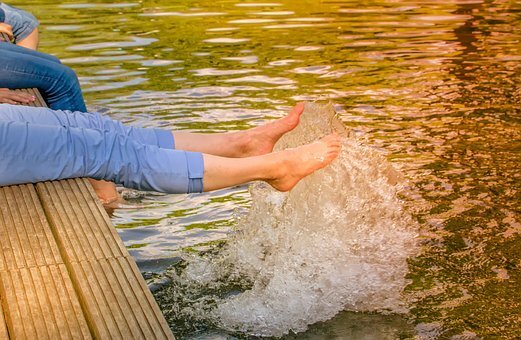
(24, 68)
(40, 144)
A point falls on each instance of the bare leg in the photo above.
(253, 142)
(31, 41)
(282, 170)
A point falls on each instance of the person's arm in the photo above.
(12, 97)
(24, 26)
(7, 29)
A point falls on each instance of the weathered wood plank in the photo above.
(76, 321)
(3, 327)
(27, 240)
(153, 313)
(39, 303)
(99, 216)
(109, 280)
(132, 300)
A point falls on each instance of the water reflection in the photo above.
(432, 84)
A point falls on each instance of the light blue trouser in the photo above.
(39, 144)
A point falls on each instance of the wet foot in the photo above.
(302, 161)
(261, 140)
(107, 193)
(115, 203)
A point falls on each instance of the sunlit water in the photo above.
(339, 240)
(431, 86)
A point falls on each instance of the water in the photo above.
(339, 240)
(433, 86)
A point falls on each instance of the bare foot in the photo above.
(302, 161)
(261, 140)
(106, 192)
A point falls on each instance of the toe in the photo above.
(297, 109)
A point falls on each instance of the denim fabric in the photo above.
(44, 116)
(22, 68)
(2, 15)
(34, 153)
(22, 22)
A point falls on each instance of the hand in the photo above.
(13, 97)
(7, 29)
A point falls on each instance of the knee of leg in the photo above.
(69, 77)
(54, 59)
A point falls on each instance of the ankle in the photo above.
(279, 165)
(242, 143)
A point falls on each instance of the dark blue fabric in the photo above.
(2, 15)
(24, 68)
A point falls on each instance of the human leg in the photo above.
(23, 68)
(106, 191)
(282, 170)
(31, 41)
(53, 152)
(24, 50)
(252, 142)
(34, 153)
(45, 116)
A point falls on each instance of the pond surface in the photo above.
(433, 85)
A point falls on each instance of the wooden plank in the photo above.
(94, 310)
(154, 315)
(11, 306)
(99, 215)
(16, 293)
(111, 291)
(70, 246)
(11, 245)
(38, 316)
(109, 281)
(26, 239)
(47, 250)
(39, 304)
(3, 327)
(122, 302)
(133, 300)
(76, 322)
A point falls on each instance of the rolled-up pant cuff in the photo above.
(195, 167)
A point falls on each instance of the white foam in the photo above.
(338, 241)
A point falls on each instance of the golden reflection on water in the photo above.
(434, 85)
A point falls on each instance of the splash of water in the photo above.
(338, 241)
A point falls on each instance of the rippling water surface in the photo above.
(432, 85)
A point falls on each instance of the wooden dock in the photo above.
(64, 271)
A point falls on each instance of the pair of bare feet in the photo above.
(239, 157)
(284, 169)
